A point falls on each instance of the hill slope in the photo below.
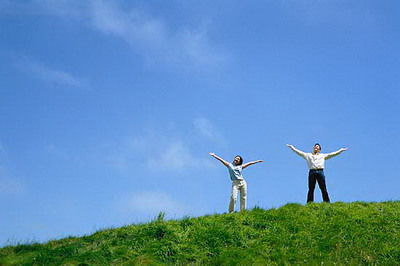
(344, 233)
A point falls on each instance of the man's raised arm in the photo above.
(299, 152)
(333, 154)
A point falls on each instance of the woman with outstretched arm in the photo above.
(316, 164)
(238, 183)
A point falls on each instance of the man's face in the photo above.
(317, 149)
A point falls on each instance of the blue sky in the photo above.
(108, 109)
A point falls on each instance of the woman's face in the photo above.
(236, 160)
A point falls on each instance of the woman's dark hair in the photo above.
(320, 148)
(241, 159)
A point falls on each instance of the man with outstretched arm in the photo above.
(238, 182)
(316, 164)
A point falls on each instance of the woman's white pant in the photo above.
(238, 186)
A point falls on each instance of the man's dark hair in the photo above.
(320, 148)
(241, 159)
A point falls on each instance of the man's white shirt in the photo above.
(317, 160)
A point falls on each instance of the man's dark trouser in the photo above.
(313, 176)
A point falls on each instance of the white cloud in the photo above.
(206, 129)
(342, 14)
(176, 156)
(50, 75)
(2, 152)
(158, 154)
(66, 8)
(8, 185)
(153, 202)
(166, 149)
(150, 36)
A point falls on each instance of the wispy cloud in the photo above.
(50, 75)
(151, 36)
(206, 129)
(8, 185)
(153, 202)
(157, 154)
(339, 13)
(167, 149)
(176, 156)
(2, 152)
(67, 8)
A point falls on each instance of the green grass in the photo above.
(339, 233)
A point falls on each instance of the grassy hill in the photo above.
(338, 233)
